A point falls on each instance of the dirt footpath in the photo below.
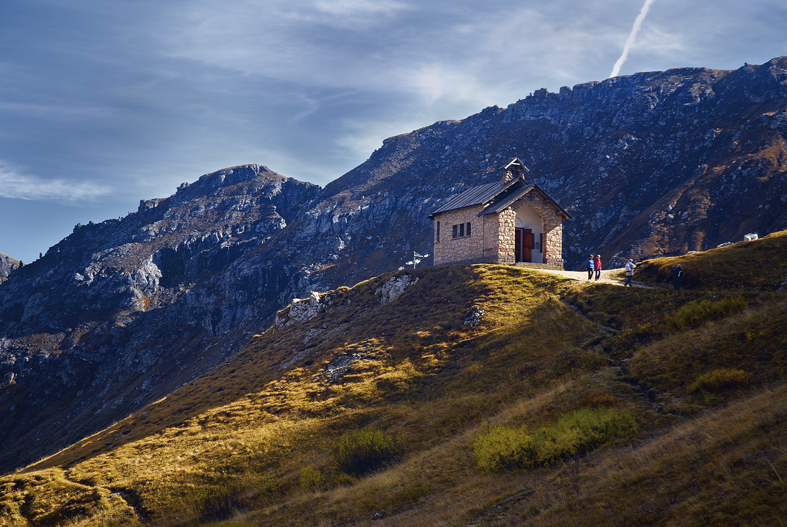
(608, 276)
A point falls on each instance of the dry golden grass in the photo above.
(756, 265)
(723, 468)
(230, 447)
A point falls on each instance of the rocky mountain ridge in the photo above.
(120, 313)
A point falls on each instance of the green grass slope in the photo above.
(568, 404)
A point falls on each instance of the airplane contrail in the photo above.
(629, 41)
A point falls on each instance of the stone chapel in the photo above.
(509, 221)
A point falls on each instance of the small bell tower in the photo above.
(514, 169)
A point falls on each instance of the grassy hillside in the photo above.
(567, 404)
(760, 264)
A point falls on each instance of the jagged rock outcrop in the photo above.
(394, 287)
(120, 313)
(7, 266)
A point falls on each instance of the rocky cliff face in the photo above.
(120, 313)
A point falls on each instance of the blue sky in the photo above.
(103, 104)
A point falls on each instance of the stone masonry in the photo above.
(464, 249)
(553, 226)
(492, 238)
(502, 244)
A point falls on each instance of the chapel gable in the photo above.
(507, 221)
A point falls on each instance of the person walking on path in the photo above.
(590, 266)
(629, 272)
(677, 276)
(597, 266)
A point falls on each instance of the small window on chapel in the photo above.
(462, 230)
(438, 232)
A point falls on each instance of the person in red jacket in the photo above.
(597, 266)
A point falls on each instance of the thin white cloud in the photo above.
(630, 40)
(354, 8)
(20, 186)
(473, 56)
(656, 41)
(363, 137)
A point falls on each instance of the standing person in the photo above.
(677, 276)
(629, 272)
(597, 266)
(590, 266)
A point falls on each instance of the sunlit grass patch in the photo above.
(574, 433)
(49, 498)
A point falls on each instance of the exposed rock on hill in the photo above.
(120, 313)
(7, 266)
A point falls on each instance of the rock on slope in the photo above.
(120, 313)
(7, 266)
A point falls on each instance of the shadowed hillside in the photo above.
(482, 395)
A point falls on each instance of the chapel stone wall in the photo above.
(505, 239)
(461, 249)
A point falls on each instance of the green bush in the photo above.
(310, 478)
(721, 379)
(581, 430)
(364, 450)
(500, 448)
(695, 313)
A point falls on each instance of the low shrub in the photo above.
(577, 432)
(367, 449)
(721, 379)
(310, 478)
(502, 448)
(695, 313)
(581, 430)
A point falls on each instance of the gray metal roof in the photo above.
(507, 192)
(473, 196)
(483, 194)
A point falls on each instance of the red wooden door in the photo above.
(527, 245)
